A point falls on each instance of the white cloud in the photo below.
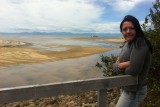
(51, 15)
(112, 27)
(123, 5)
(62, 15)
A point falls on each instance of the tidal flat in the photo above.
(28, 60)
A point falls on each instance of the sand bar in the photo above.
(11, 53)
(116, 39)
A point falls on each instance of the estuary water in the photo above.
(57, 71)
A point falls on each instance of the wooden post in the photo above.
(102, 98)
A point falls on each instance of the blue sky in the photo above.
(100, 16)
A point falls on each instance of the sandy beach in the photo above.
(16, 52)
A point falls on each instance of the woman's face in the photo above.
(128, 31)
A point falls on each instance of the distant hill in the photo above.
(66, 33)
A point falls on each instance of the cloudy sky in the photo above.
(101, 16)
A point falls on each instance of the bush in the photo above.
(106, 65)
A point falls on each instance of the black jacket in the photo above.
(139, 56)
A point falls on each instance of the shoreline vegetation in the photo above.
(17, 52)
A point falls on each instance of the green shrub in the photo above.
(106, 65)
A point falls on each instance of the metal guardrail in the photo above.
(21, 93)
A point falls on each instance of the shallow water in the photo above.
(43, 42)
(49, 72)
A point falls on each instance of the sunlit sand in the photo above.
(12, 52)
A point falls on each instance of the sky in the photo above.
(77, 16)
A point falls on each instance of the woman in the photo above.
(134, 59)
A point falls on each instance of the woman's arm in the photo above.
(120, 65)
(124, 65)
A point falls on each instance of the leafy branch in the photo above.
(106, 65)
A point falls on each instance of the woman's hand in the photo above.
(123, 65)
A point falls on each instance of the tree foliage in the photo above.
(106, 65)
(151, 28)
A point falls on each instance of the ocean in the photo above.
(57, 71)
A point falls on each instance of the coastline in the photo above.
(17, 52)
(22, 53)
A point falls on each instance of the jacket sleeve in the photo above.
(137, 58)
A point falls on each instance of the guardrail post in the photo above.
(102, 98)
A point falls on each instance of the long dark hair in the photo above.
(139, 32)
